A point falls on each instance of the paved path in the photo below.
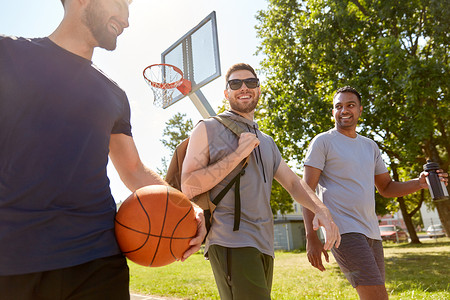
(146, 297)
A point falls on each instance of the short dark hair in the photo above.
(238, 67)
(62, 1)
(348, 89)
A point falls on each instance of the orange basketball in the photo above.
(154, 225)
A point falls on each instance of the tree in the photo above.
(395, 52)
(177, 130)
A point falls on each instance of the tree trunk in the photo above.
(408, 221)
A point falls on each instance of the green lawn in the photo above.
(412, 272)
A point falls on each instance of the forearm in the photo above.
(308, 217)
(132, 171)
(204, 179)
(399, 189)
(317, 215)
(141, 176)
(307, 198)
(301, 191)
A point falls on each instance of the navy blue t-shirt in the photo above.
(57, 112)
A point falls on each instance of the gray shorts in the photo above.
(361, 259)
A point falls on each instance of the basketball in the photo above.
(154, 225)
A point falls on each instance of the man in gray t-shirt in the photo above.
(345, 168)
(242, 257)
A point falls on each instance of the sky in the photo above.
(154, 27)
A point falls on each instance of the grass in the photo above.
(412, 272)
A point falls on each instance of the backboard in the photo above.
(197, 54)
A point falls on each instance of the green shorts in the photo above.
(241, 273)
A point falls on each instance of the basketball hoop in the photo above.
(163, 79)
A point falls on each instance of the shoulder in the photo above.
(368, 141)
(210, 125)
(108, 80)
(14, 41)
(267, 137)
(17, 40)
(9, 38)
(215, 126)
(199, 130)
(323, 138)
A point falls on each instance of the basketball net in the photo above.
(163, 79)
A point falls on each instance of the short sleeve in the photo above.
(316, 155)
(123, 124)
(276, 157)
(380, 166)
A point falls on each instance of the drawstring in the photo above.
(259, 152)
(256, 156)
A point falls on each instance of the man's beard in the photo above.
(96, 21)
(243, 108)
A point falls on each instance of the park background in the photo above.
(155, 25)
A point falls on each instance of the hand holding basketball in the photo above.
(197, 241)
(155, 225)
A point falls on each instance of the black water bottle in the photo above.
(437, 188)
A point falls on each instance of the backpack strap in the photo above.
(236, 181)
(235, 128)
(230, 124)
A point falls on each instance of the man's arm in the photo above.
(126, 160)
(197, 176)
(389, 188)
(135, 174)
(303, 194)
(314, 247)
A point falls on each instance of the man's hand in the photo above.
(196, 242)
(314, 250)
(247, 142)
(333, 237)
(423, 181)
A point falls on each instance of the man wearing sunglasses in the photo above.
(242, 256)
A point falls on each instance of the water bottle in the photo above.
(437, 188)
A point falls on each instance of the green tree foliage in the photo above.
(178, 128)
(395, 52)
(280, 200)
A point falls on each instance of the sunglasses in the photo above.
(236, 84)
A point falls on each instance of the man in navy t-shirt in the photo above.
(60, 118)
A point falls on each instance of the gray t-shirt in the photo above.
(347, 182)
(256, 225)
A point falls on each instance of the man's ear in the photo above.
(225, 92)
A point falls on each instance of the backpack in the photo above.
(203, 200)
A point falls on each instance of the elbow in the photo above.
(185, 187)
(386, 193)
(185, 190)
